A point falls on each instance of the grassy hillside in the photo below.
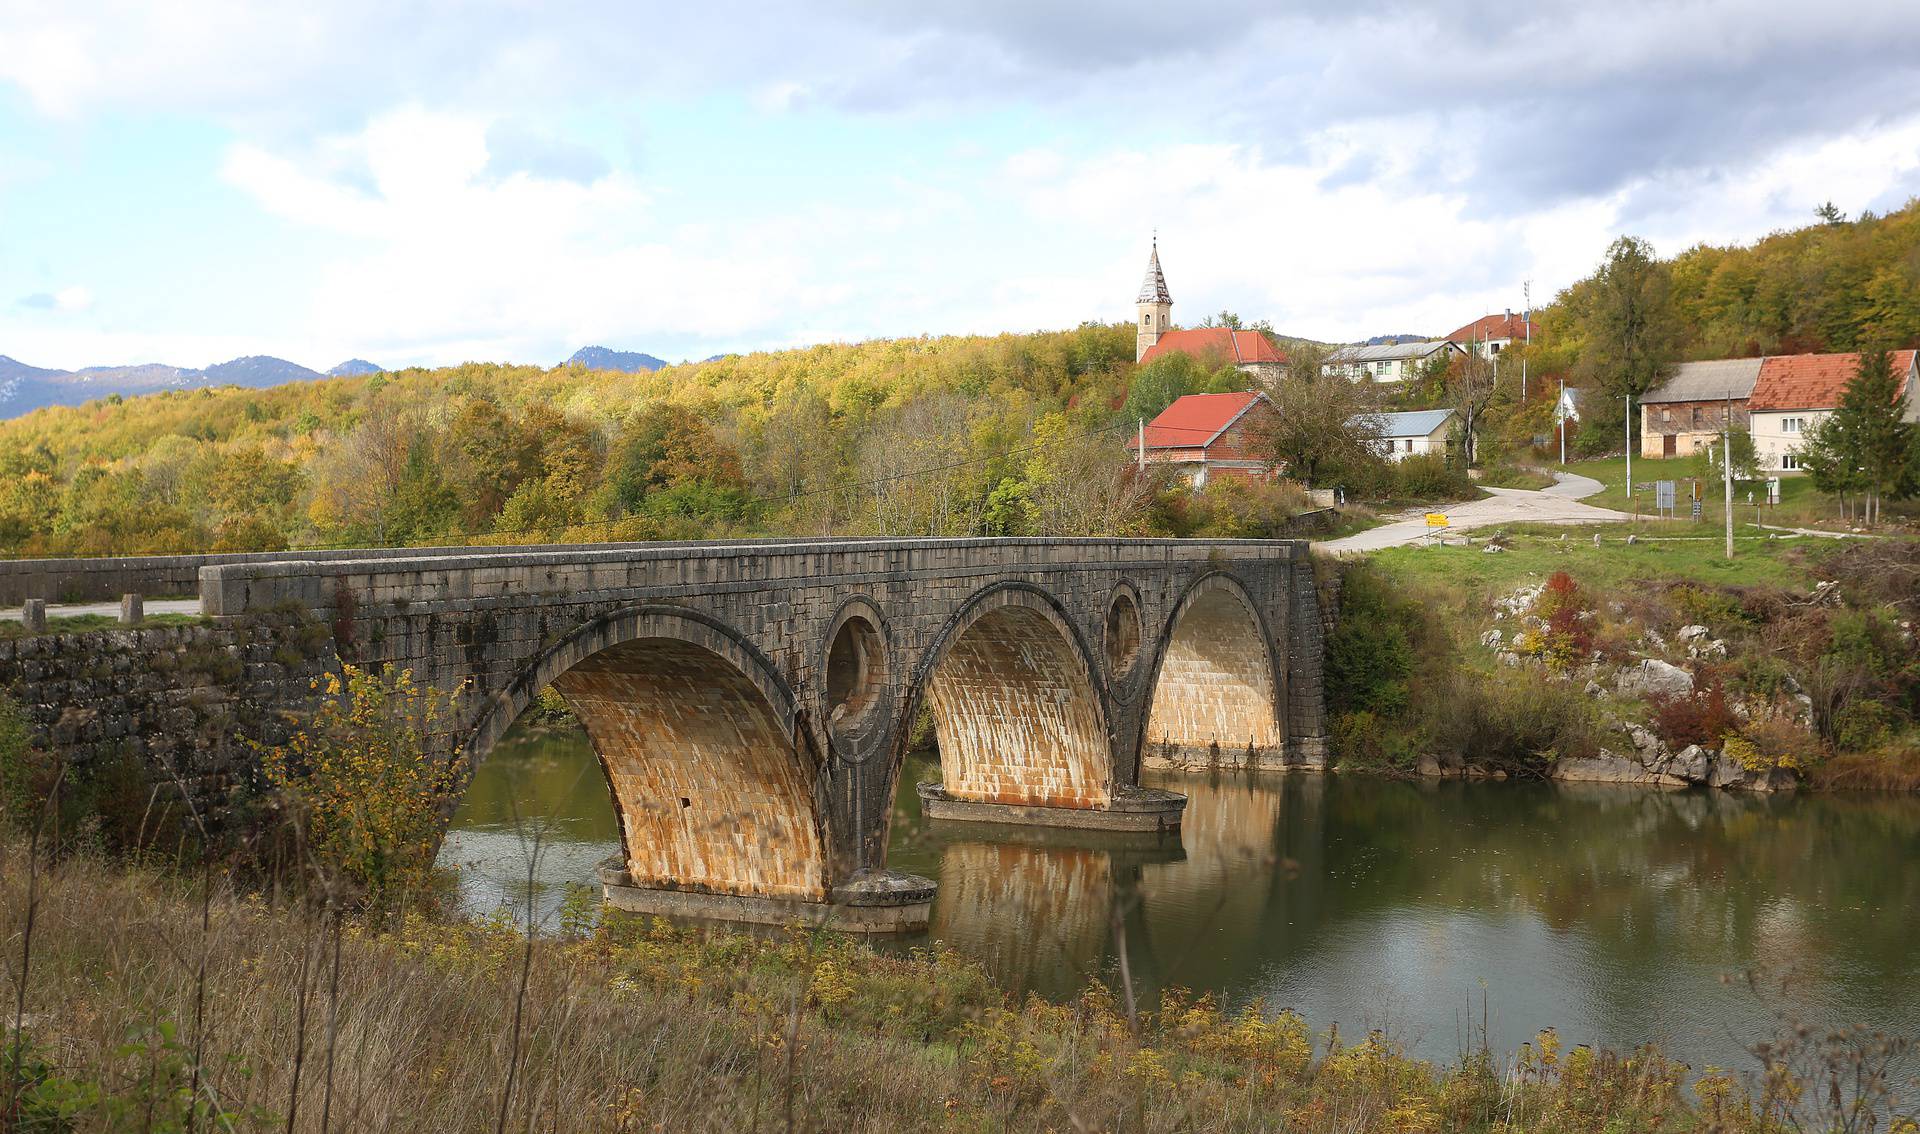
(774, 441)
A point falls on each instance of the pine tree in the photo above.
(1870, 413)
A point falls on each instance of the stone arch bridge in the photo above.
(750, 703)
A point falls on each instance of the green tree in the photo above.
(1632, 331)
(1708, 466)
(1323, 432)
(1830, 455)
(1870, 416)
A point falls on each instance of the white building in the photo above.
(1491, 334)
(1408, 434)
(1387, 362)
(1796, 392)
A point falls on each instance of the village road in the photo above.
(1559, 504)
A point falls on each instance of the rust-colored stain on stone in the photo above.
(1216, 682)
(709, 790)
(1016, 716)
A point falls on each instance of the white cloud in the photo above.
(75, 298)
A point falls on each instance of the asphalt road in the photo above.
(1559, 504)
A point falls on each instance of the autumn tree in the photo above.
(1633, 332)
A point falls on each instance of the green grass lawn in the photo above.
(1800, 504)
(78, 623)
(1536, 551)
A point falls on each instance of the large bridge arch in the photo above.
(713, 787)
(1018, 704)
(1216, 692)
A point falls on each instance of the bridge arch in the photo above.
(1216, 689)
(712, 786)
(1018, 705)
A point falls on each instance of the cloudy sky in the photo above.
(436, 182)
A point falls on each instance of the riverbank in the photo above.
(147, 990)
(1592, 654)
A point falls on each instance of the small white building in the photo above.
(1796, 392)
(1403, 435)
(1387, 362)
(1567, 409)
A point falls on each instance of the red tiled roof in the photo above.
(1813, 381)
(1194, 420)
(1231, 346)
(1490, 327)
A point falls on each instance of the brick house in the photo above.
(1685, 413)
(1798, 391)
(1210, 435)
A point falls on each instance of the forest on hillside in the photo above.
(957, 435)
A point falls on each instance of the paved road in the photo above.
(111, 609)
(1559, 504)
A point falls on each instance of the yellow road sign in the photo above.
(1436, 519)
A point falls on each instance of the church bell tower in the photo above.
(1155, 306)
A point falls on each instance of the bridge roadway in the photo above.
(750, 702)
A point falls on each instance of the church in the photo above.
(1248, 351)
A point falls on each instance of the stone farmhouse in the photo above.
(1685, 414)
(1793, 393)
(1250, 352)
(1209, 435)
(1386, 362)
(1491, 334)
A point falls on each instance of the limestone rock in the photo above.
(1691, 633)
(1692, 765)
(1656, 678)
(1491, 639)
(1609, 768)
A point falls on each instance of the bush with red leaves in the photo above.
(1702, 718)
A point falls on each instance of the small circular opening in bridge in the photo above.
(1123, 632)
(856, 669)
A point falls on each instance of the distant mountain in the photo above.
(24, 388)
(1394, 340)
(355, 366)
(600, 358)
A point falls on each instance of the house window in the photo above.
(1789, 461)
(1696, 417)
(1495, 347)
(1666, 417)
(1409, 444)
(1790, 425)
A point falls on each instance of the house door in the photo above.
(1667, 441)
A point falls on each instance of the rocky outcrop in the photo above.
(1655, 678)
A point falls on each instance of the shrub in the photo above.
(1370, 654)
(1230, 508)
(361, 786)
(1428, 476)
(1701, 718)
(1361, 739)
(1521, 723)
(1567, 635)
(1703, 607)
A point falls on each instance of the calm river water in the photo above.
(1615, 914)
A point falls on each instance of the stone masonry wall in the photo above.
(1215, 702)
(709, 793)
(1017, 717)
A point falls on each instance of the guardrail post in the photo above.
(33, 613)
(132, 610)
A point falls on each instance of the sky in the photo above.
(431, 183)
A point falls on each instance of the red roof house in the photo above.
(1218, 346)
(1210, 435)
(1796, 392)
(1489, 333)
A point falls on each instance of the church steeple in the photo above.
(1155, 305)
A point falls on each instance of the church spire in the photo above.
(1153, 289)
(1155, 306)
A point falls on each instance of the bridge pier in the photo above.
(883, 901)
(1134, 809)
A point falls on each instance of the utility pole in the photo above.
(1526, 319)
(1629, 446)
(1726, 453)
(1560, 411)
(1140, 444)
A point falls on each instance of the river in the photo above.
(1615, 914)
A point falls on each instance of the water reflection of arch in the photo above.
(1255, 878)
(1017, 701)
(694, 732)
(1218, 684)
